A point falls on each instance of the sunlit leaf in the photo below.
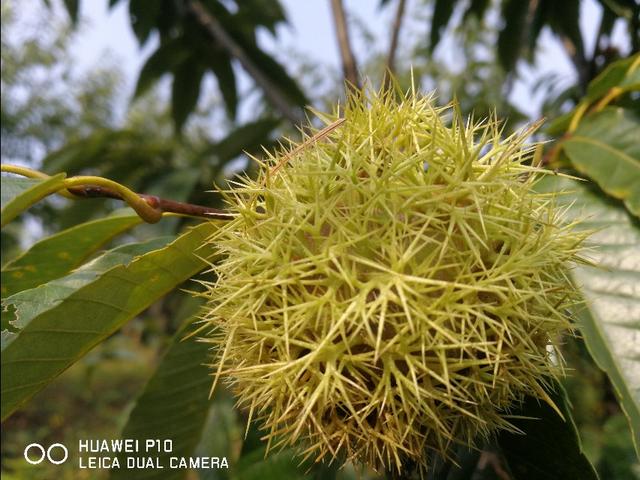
(623, 73)
(59, 333)
(606, 147)
(610, 321)
(21, 194)
(56, 255)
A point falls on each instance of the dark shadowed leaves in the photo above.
(549, 447)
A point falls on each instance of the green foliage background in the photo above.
(123, 369)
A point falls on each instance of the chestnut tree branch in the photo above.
(349, 66)
(393, 45)
(149, 207)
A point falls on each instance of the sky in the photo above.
(311, 32)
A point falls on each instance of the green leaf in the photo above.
(14, 186)
(277, 465)
(72, 6)
(266, 13)
(80, 154)
(185, 91)
(223, 434)
(442, 11)
(514, 14)
(56, 255)
(20, 195)
(277, 73)
(58, 335)
(564, 19)
(610, 322)
(248, 137)
(476, 8)
(167, 57)
(606, 147)
(560, 124)
(26, 305)
(619, 74)
(144, 16)
(548, 447)
(220, 64)
(173, 406)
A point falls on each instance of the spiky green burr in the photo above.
(392, 289)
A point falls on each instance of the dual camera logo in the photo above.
(57, 453)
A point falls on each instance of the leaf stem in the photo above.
(149, 207)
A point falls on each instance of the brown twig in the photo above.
(213, 27)
(149, 207)
(163, 205)
(348, 60)
(393, 45)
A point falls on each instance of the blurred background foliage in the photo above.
(178, 138)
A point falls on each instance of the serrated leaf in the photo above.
(56, 337)
(173, 406)
(549, 447)
(185, 91)
(56, 255)
(20, 195)
(610, 322)
(606, 147)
